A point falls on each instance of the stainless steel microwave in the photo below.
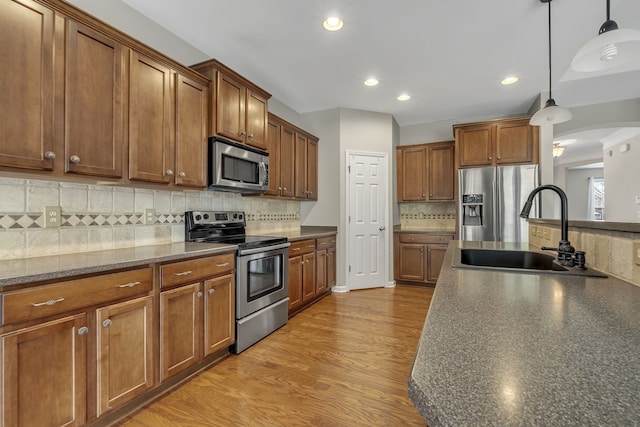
(237, 167)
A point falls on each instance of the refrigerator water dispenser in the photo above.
(472, 207)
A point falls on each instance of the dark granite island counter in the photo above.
(514, 349)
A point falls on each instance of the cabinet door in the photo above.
(331, 267)
(287, 161)
(150, 120)
(411, 263)
(312, 169)
(435, 256)
(514, 142)
(44, 374)
(191, 132)
(308, 277)
(295, 283)
(219, 313)
(441, 172)
(321, 271)
(180, 329)
(125, 352)
(256, 120)
(300, 166)
(412, 163)
(94, 117)
(273, 148)
(475, 147)
(230, 108)
(27, 85)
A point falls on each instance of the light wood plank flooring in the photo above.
(345, 361)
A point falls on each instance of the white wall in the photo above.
(427, 132)
(608, 114)
(130, 21)
(621, 182)
(577, 189)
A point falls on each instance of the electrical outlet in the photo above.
(149, 216)
(636, 252)
(545, 233)
(52, 216)
(532, 230)
(540, 231)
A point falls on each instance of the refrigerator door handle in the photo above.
(497, 200)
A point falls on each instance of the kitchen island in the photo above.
(507, 348)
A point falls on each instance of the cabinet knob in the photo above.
(423, 195)
(285, 188)
(430, 194)
(106, 323)
(310, 192)
(211, 291)
(169, 172)
(421, 249)
(199, 295)
(75, 159)
(279, 188)
(243, 133)
(250, 135)
(498, 157)
(182, 174)
(490, 158)
(83, 331)
(50, 155)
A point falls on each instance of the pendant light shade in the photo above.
(557, 149)
(551, 113)
(611, 49)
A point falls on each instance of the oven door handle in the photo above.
(242, 252)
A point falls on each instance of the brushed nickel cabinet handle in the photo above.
(295, 249)
(285, 188)
(211, 291)
(199, 295)
(311, 246)
(184, 273)
(83, 331)
(50, 155)
(250, 135)
(129, 285)
(106, 323)
(50, 302)
(169, 172)
(243, 133)
(490, 158)
(182, 174)
(75, 159)
(222, 265)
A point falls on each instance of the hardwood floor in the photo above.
(344, 361)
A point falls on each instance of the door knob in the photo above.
(383, 228)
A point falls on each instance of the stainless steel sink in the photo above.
(515, 261)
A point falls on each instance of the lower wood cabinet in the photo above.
(418, 256)
(197, 314)
(312, 271)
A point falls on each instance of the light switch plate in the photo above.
(636, 252)
(149, 216)
(52, 216)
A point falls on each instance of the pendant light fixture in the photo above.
(557, 149)
(551, 113)
(612, 49)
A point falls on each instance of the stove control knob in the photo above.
(198, 217)
(235, 216)
(240, 216)
(206, 216)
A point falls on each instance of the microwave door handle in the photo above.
(263, 173)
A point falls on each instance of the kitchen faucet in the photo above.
(565, 251)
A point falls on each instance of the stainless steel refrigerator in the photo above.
(490, 200)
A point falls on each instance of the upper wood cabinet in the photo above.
(497, 142)
(426, 172)
(306, 166)
(239, 109)
(27, 85)
(280, 146)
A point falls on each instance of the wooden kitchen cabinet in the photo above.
(44, 374)
(426, 172)
(197, 311)
(418, 256)
(125, 360)
(325, 264)
(27, 85)
(94, 107)
(280, 146)
(306, 166)
(239, 108)
(497, 142)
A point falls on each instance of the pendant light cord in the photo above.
(550, 96)
(608, 10)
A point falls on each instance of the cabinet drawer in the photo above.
(302, 247)
(425, 238)
(194, 269)
(325, 242)
(57, 298)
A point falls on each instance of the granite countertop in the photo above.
(502, 349)
(309, 232)
(399, 229)
(26, 270)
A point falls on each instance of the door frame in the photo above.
(388, 219)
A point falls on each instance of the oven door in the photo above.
(262, 278)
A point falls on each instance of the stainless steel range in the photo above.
(261, 272)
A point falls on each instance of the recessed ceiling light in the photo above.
(332, 23)
(509, 80)
(371, 82)
(404, 97)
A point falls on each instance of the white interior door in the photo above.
(367, 221)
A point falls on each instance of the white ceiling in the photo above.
(449, 56)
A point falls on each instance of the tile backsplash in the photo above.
(437, 216)
(95, 217)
